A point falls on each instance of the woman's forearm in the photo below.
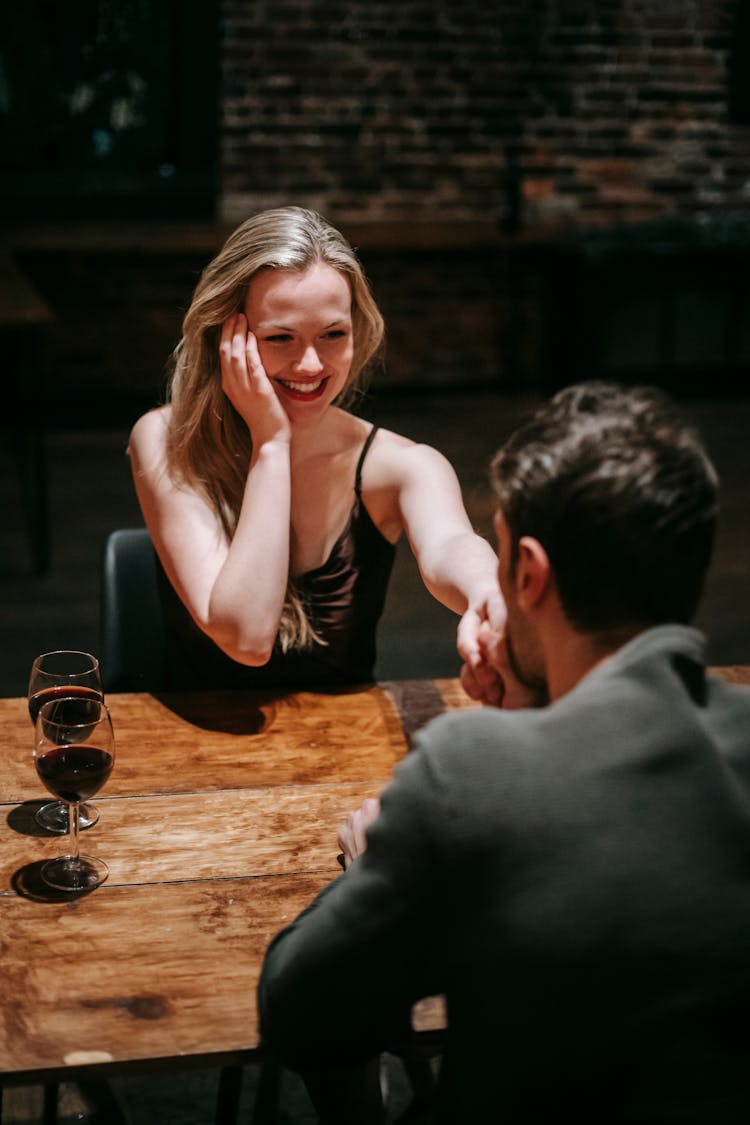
(461, 571)
(248, 594)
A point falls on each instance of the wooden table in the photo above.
(218, 824)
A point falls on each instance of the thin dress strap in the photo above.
(360, 463)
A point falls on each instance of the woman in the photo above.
(274, 511)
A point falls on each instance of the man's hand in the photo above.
(352, 839)
(482, 683)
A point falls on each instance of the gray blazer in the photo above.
(576, 880)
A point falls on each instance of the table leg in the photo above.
(228, 1095)
(49, 1110)
(99, 1093)
(267, 1093)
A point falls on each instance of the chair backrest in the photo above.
(131, 628)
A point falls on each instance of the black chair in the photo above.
(131, 651)
(131, 629)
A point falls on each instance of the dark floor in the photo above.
(91, 494)
(185, 1099)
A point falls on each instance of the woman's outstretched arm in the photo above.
(457, 565)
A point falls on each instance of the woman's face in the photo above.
(303, 324)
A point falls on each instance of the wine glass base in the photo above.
(54, 817)
(68, 874)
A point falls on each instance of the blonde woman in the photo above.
(273, 510)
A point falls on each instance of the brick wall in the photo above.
(430, 129)
(574, 112)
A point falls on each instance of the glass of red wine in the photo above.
(70, 673)
(74, 751)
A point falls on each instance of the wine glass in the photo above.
(74, 751)
(70, 673)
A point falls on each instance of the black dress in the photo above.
(344, 600)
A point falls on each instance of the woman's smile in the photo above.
(301, 390)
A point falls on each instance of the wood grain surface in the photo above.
(218, 825)
(187, 743)
(131, 974)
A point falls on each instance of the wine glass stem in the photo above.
(74, 816)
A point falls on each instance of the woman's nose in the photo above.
(309, 361)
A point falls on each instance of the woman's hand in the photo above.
(480, 680)
(492, 680)
(246, 385)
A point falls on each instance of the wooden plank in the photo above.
(184, 743)
(163, 839)
(137, 974)
(417, 702)
(733, 673)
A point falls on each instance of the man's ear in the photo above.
(533, 572)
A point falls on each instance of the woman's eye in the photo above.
(279, 338)
(335, 334)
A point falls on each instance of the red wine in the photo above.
(78, 695)
(74, 773)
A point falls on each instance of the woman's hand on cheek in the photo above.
(246, 385)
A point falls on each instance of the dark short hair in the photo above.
(620, 492)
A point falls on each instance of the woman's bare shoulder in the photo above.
(153, 425)
(389, 441)
(394, 453)
(148, 437)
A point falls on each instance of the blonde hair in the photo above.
(208, 445)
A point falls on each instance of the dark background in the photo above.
(541, 191)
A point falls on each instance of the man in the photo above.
(575, 877)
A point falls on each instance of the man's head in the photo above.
(621, 495)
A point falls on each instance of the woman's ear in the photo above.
(533, 572)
